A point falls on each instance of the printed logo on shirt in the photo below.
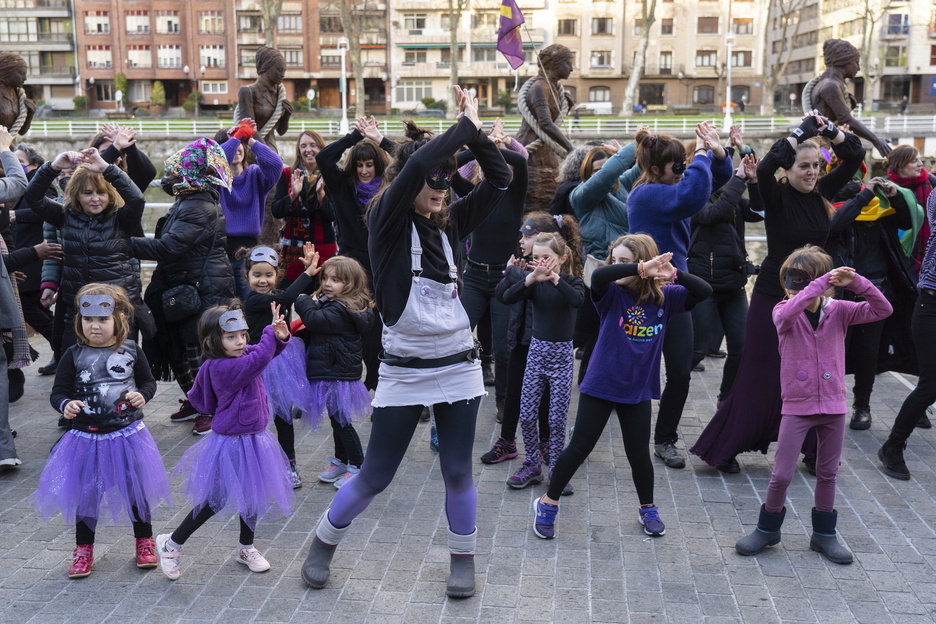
(635, 327)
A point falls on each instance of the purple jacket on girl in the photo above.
(812, 362)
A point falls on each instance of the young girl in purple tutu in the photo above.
(284, 379)
(239, 467)
(108, 456)
(336, 319)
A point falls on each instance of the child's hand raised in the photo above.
(517, 262)
(136, 399)
(544, 269)
(279, 324)
(842, 277)
(310, 259)
(660, 268)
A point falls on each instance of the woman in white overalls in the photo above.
(429, 354)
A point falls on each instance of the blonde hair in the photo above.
(123, 311)
(558, 246)
(810, 258)
(77, 183)
(644, 248)
(356, 294)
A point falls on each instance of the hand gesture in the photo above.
(310, 259)
(498, 135)
(320, 189)
(295, 183)
(747, 169)
(660, 268)
(91, 159)
(136, 399)
(372, 129)
(707, 137)
(467, 105)
(842, 277)
(110, 130)
(72, 408)
(19, 277)
(517, 262)
(735, 139)
(360, 124)
(48, 297)
(611, 146)
(48, 251)
(6, 139)
(66, 160)
(124, 138)
(279, 324)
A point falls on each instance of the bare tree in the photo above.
(787, 13)
(455, 10)
(870, 17)
(270, 10)
(648, 17)
(353, 17)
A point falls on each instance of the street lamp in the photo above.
(729, 42)
(343, 46)
(200, 94)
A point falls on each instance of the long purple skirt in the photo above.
(347, 401)
(285, 381)
(117, 471)
(237, 474)
(749, 418)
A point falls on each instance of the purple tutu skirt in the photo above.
(343, 400)
(237, 474)
(117, 471)
(285, 381)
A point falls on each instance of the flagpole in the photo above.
(540, 65)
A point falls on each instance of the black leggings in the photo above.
(286, 435)
(348, 449)
(862, 343)
(85, 527)
(677, 358)
(590, 421)
(193, 521)
(516, 365)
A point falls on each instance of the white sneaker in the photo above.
(169, 557)
(252, 558)
(10, 462)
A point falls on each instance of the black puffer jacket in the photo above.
(333, 338)
(94, 248)
(716, 246)
(191, 231)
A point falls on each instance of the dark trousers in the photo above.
(590, 422)
(861, 356)
(914, 406)
(37, 315)
(726, 311)
(477, 295)
(516, 366)
(677, 357)
(348, 449)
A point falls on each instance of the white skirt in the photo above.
(398, 386)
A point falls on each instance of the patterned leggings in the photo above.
(552, 362)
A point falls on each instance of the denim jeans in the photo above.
(923, 327)
(728, 310)
(477, 295)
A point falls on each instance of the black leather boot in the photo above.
(891, 456)
(861, 417)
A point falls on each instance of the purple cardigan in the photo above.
(244, 204)
(812, 363)
(232, 389)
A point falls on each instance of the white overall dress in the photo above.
(433, 325)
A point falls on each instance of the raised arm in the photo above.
(48, 210)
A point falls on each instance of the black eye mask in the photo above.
(679, 167)
(439, 180)
(796, 279)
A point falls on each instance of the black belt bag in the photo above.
(470, 355)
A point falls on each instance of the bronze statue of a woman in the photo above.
(265, 100)
(16, 110)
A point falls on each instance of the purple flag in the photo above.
(509, 42)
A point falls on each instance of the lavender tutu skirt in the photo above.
(345, 400)
(237, 474)
(114, 471)
(286, 384)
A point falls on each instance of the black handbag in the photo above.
(183, 301)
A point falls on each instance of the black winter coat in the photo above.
(334, 349)
(27, 232)
(191, 231)
(716, 246)
(94, 248)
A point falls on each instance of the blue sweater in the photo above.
(665, 211)
(244, 204)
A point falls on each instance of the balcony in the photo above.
(56, 70)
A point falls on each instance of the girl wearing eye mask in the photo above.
(664, 199)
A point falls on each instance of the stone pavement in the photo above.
(393, 563)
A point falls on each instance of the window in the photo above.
(666, 26)
(483, 55)
(741, 58)
(567, 27)
(666, 63)
(484, 20)
(248, 57)
(706, 58)
(214, 87)
(895, 56)
(703, 95)
(602, 26)
(211, 55)
(139, 56)
(210, 22)
(638, 27)
(414, 22)
(413, 90)
(167, 22)
(168, 56)
(292, 56)
(96, 22)
(330, 24)
(933, 55)
(743, 26)
(599, 94)
(18, 29)
(98, 56)
(851, 28)
(898, 24)
(250, 23)
(104, 90)
(707, 26)
(330, 61)
(290, 23)
(414, 56)
(140, 90)
(601, 58)
(137, 22)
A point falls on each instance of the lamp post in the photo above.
(188, 78)
(343, 46)
(729, 42)
(200, 94)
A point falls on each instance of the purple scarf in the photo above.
(367, 190)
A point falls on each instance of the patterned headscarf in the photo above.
(201, 164)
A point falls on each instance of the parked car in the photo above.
(431, 112)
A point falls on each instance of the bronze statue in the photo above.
(16, 110)
(543, 103)
(827, 93)
(265, 100)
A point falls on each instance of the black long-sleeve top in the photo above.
(391, 218)
(604, 277)
(257, 309)
(348, 211)
(555, 306)
(793, 219)
(495, 240)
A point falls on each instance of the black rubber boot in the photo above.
(861, 417)
(766, 534)
(823, 539)
(891, 456)
(315, 570)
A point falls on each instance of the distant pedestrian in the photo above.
(903, 105)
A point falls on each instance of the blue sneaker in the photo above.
(544, 521)
(650, 519)
(433, 439)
